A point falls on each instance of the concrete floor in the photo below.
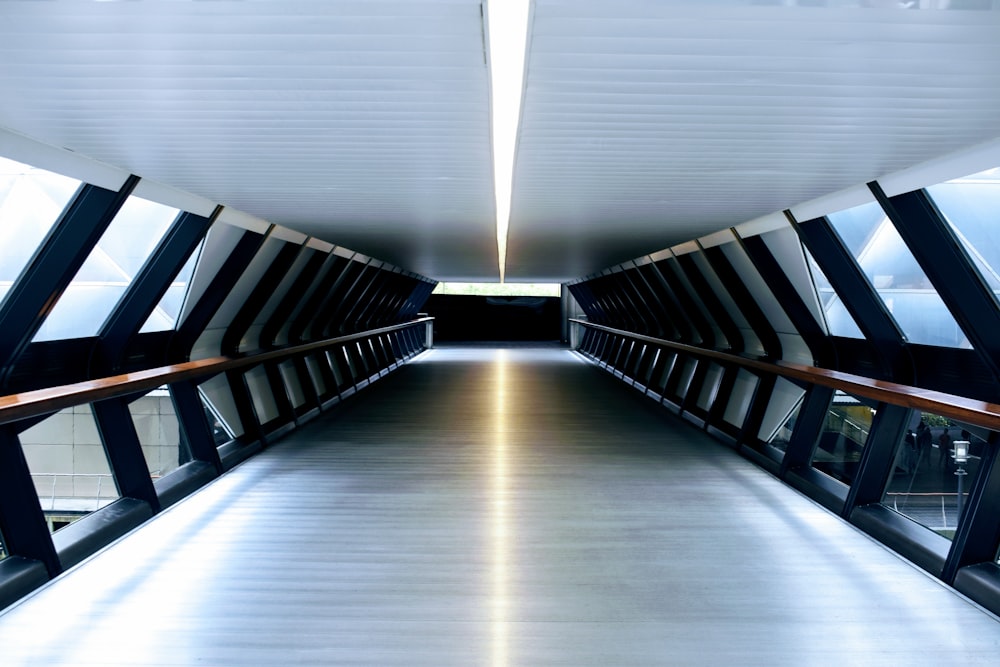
(497, 507)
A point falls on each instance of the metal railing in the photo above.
(60, 501)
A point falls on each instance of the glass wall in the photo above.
(220, 408)
(710, 387)
(168, 310)
(108, 271)
(839, 320)
(68, 466)
(738, 402)
(159, 432)
(845, 433)
(897, 278)
(31, 200)
(781, 414)
(935, 462)
(970, 206)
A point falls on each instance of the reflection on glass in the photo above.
(739, 400)
(108, 271)
(159, 432)
(782, 412)
(897, 278)
(68, 465)
(838, 319)
(31, 200)
(710, 387)
(216, 399)
(501, 538)
(3, 549)
(935, 463)
(845, 432)
(168, 310)
(970, 206)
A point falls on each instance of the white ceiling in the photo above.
(366, 123)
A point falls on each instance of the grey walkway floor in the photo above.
(485, 507)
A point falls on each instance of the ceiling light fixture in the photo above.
(507, 32)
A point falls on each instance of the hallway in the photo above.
(497, 507)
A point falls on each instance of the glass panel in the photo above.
(838, 319)
(168, 310)
(739, 401)
(751, 343)
(713, 377)
(109, 270)
(971, 206)
(781, 414)
(896, 276)
(3, 549)
(251, 340)
(662, 370)
(936, 461)
(787, 249)
(220, 409)
(31, 200)
(290, 377)
(845, 432)
(68, 466)
(685, 373)
(673, 266)
(260, 392)
(316, 374)
(159, 432)
(758, 287)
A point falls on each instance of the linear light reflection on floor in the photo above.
(501, 537)
(507, 31)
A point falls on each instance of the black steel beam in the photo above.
(877, 457)
(714, 305)
(193, 424)
(688, 319)
(210, 302)
(259, 297)
(808, 427)
(300, 286)
(121, 443)
(949, 268)
(53, 267)
(22, 521)
(977, 537)
(790, 301)
(147, 288)
(303, 326)
(858, 295)
(745, 301)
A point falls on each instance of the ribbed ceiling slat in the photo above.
(367, 123)
(646, 124)
(362, 123)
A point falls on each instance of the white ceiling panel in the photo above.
(646, 124)
(362, 123)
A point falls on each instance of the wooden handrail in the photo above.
(952, 406)
(15, 407)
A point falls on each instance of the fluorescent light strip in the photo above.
(507, 29)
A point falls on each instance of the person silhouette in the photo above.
(944, 448)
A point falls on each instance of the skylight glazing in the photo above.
(164, 316)
(839, 320)
(897, 277)
(31, 200)
(109, 270)
(971, 205)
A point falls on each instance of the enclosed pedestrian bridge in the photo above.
(755, 422)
